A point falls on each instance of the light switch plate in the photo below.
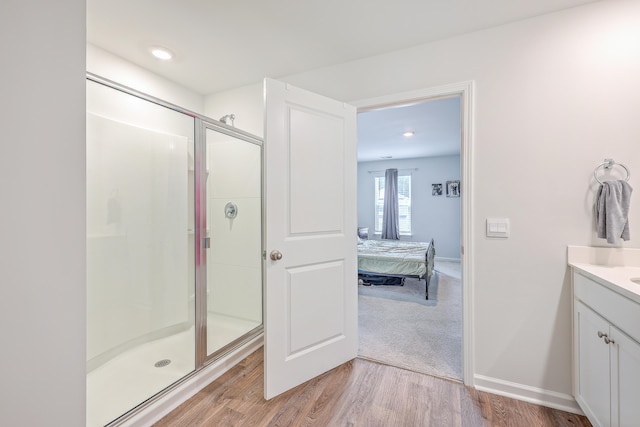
(498, 227)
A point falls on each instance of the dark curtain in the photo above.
(390, 211)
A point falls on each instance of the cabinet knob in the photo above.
(606, 338)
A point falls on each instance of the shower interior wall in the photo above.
(234, 264)
(238, 299)
(139, 253)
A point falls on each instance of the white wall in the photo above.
(554, 95)
(234, 275)
(436, 217)
(247, 103)
(42, 243)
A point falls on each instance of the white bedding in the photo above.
(394, 257)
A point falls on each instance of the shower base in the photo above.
(132, 377)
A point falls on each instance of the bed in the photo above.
(397, 258)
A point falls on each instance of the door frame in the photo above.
(465, 91)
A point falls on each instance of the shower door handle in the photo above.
(275, 255)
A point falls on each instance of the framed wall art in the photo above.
(453, 188)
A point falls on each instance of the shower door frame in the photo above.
(201, 125)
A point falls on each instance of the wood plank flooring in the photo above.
(358, 393)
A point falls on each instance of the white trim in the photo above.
(157, 410)
(538, 396)
(465, 91)
(440, 258)
(418, 95)
(467, 249)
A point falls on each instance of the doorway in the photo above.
(451, 262)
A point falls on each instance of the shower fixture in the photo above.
(231, 117)
(230, 210)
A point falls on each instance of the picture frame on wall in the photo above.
(453, 188)
(436, 189)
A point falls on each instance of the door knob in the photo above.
(275, 255)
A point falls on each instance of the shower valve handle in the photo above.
(275, 255)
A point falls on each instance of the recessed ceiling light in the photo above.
(161, 53)
(408, 134)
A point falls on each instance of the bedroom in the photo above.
(427, 160)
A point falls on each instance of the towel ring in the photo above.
(608, 163)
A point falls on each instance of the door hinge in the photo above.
(206, 242)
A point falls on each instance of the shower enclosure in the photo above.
(174, 245)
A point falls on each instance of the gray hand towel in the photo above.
(612, 209)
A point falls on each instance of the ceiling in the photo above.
(435, 124)
(225, 44)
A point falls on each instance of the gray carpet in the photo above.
(397, 326)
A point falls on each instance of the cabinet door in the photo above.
(625, 381)
(593, 391)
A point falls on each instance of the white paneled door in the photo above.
(311, 295)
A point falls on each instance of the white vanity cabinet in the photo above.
(606, 335)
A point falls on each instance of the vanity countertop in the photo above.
(617, 278)
(611, 267)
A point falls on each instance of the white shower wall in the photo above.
(234, 260)
(139, 272)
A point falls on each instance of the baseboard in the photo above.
(439, 258)
(153, 412)
(538, 396)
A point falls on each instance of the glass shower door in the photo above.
(234, 231)
(140, 250)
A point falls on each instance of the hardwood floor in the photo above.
(358, 393)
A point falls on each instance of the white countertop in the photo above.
(617, 278)
(611, 267)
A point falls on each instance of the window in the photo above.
(404, 203)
